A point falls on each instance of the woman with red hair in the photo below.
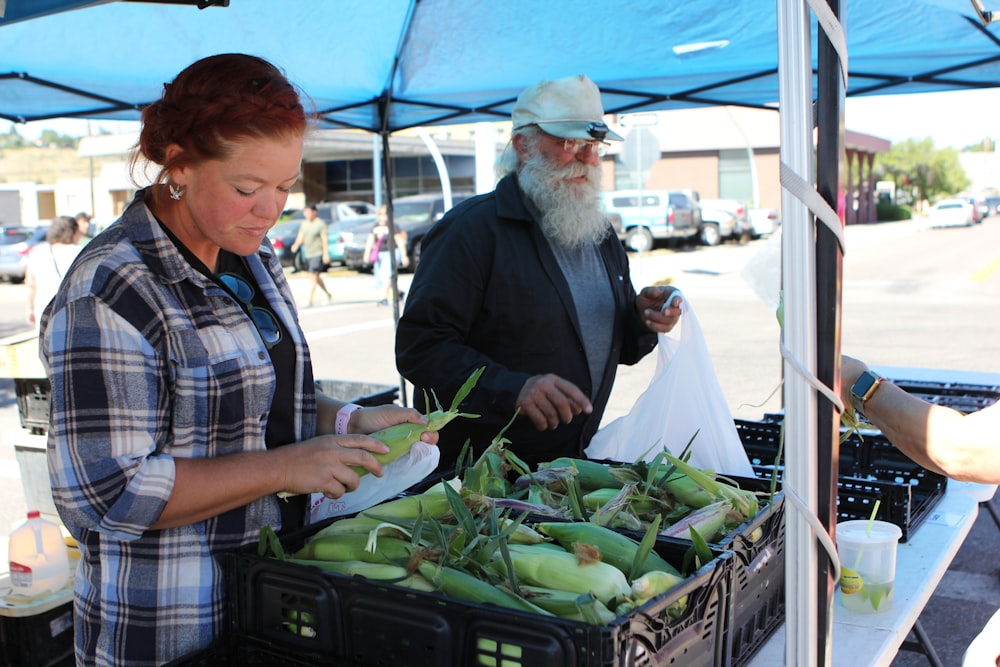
(183, 397)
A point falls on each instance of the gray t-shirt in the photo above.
(587, 276)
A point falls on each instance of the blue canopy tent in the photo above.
(386, 65)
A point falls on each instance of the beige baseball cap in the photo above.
(569, 108)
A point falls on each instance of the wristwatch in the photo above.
(864, 388)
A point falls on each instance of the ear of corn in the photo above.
(433, 503)
(709, 522)
(355, 525)
(353, 547)
(302, 623)
(401, 437)
(742, 500)
(350, 568)
(615, 549)
(591, 474)
(522, 532)
(653, 583)
(416, 582)
(570, 606)
(458, 584)
(598, 497)
(688, 491)
(562, 571)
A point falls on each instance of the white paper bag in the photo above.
(397, 477)
(684, 397)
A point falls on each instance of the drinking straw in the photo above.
(871, 520)
(868, 533)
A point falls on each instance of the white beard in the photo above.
(571, 214)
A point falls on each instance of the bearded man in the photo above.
(530, 282)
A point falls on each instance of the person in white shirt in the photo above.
(48, 263)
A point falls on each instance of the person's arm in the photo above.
(963, 447)
(204, 488)
(298, 241)
(207, 487)
(369, 244)
(32, 288)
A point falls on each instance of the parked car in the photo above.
(731, 217)
(282, 236)
(992, 205)
(338, 216)
(953, 212)
(763, 221)
(340, 234)
(15, 244)
(978, 208)
(717, 225)
(648, 216)
(335, 211)
(414, 216)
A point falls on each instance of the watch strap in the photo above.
(344, 418)
(865, 387)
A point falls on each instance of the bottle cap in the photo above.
(34, 514)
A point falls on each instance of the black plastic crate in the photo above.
(757, 546)
(236, 651)
(757, 594)
(761, 438)
(906, 491)
(361, 622)
(33, 403)
(961, 396)
(365, 394)
(757, 606)
(41, 640)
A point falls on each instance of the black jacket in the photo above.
(489, 292)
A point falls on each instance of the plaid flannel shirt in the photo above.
(150, 361)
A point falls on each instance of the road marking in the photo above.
(343, 331)
(986, 271)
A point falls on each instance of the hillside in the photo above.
(46, 165)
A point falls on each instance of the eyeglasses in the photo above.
(575, 146)
(263, 319)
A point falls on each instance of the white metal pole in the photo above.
(799, 339)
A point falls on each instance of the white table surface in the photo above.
(874, 639)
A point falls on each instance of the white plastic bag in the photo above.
(396, 477)
(683, 398)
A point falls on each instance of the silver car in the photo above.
(15, 242)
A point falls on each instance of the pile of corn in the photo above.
(434, 542)
(687, 502)
(547, 542)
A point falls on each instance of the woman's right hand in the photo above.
(323, 464)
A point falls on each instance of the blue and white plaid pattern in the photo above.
(150, 361)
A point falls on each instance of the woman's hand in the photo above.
(369, 420)
(323, 464)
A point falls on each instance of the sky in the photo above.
(953, 119)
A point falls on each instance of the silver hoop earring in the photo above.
(176, 191)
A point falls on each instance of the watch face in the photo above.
(864, 383)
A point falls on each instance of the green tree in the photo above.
(926, 172)
(12, 139)
(987, 145)
(53, 139)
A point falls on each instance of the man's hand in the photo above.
(649, 304)
(548, 400)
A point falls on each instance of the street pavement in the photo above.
(351, 341)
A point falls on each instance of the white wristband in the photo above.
(344, 417)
